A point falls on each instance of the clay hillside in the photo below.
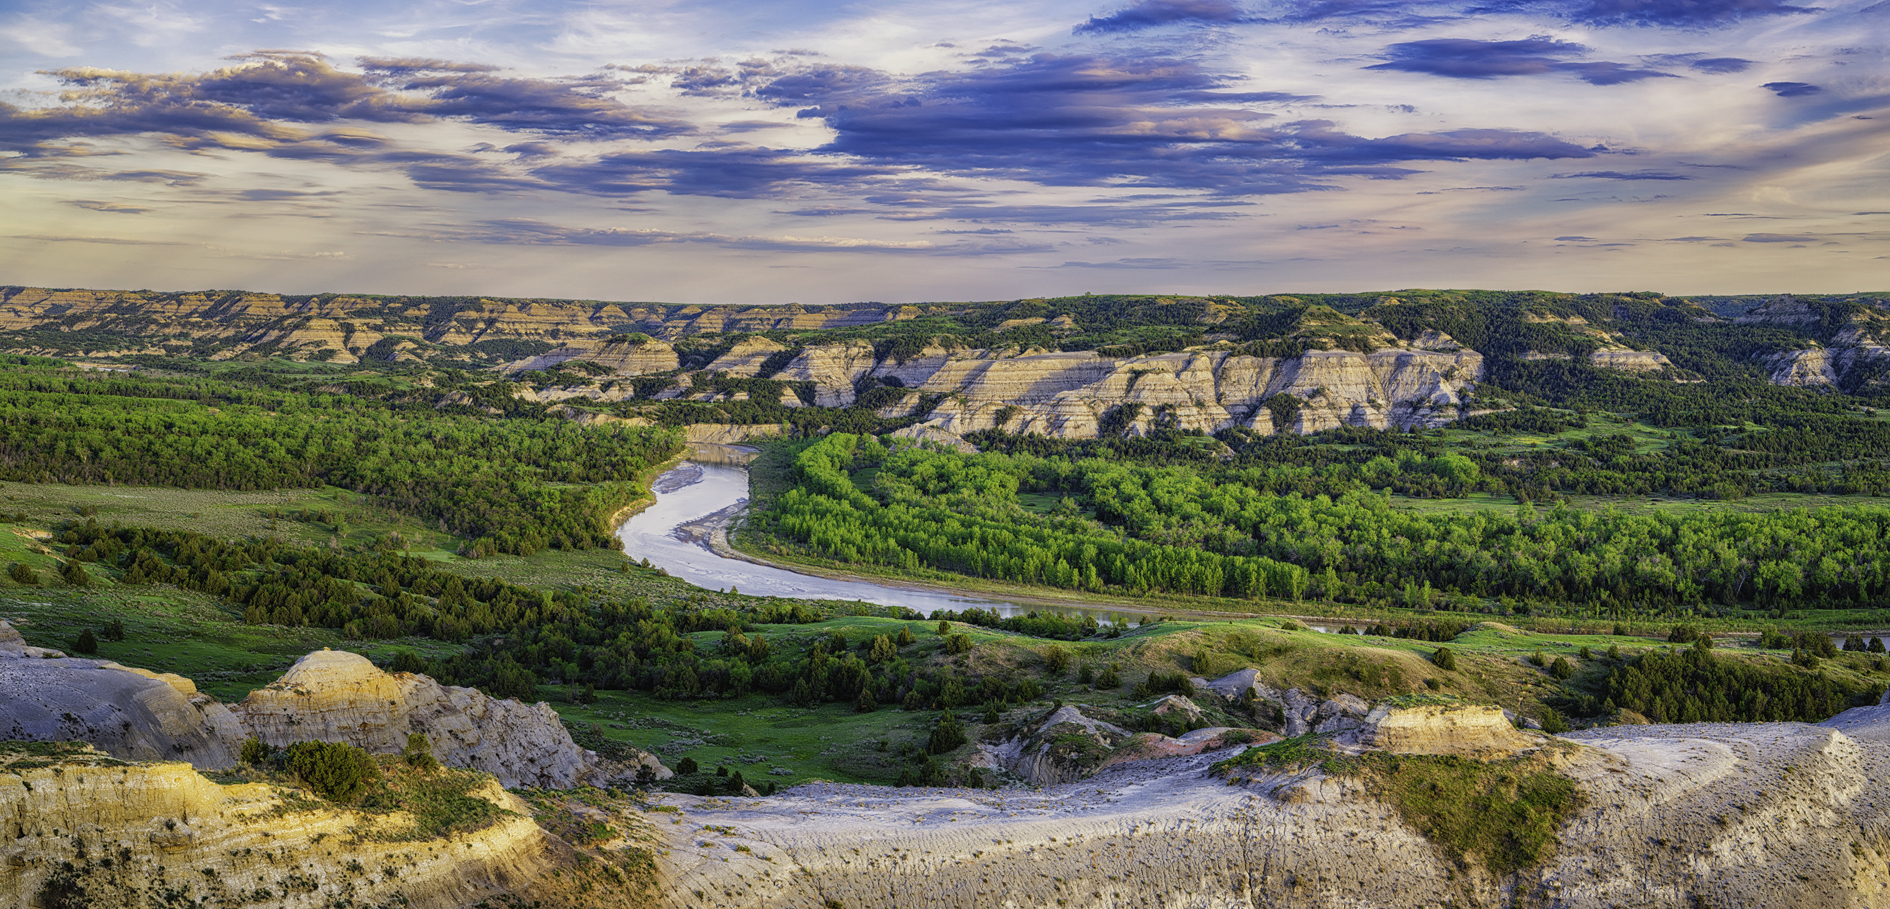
(1075, 367)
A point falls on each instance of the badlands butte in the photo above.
(1074, 367)
(533, 720)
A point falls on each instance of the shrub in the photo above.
(1683, 634)
(906, 638)
(256, 752)
(947, 734)
(1444, 659)
(86, 642)
(1552, 721)
(1561, 668)
(419, 753)
(958, 643)
(686, 766)
(74, 575)
(22, 573)
(336, 771)
(1538, 660)
(1056, 659)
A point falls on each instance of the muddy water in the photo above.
(672, 534)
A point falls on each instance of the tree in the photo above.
(866, 703)
(1444, 659)
(947, 735)
(1561, 668)
(1056, 659)
(85, 643)
(256, 752)
(686, 766)
(74, 574)
(22, 573)
(336, 771)
(419, 753)
(906, 638)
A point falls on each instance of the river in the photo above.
(670, 535)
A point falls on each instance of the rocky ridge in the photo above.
(1676, 816)
(1073, 394)
(134, 714)
(83, 829)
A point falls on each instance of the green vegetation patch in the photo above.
(1501, 814)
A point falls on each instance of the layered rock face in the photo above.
(341, 697)
(92, 831)
(1461, 729)
(833, 368)
(130, 714)
(134, 714)
(1683, 816)
(622, 358)
(342, 328)
(1070, 394)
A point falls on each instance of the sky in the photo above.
(772, 151)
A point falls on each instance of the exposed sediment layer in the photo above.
(341, 697)
(1675, 816)
(97, 832)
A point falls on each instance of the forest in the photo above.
(506, 485)
(1134, 528)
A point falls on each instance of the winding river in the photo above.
(673, 535)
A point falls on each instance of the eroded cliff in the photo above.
(336, 696)
(1764, 815)
(84, 829)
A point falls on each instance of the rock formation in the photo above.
(1300, 712)
(341, 697)
(128, 713)
(134, 714)
(83, 829)
(1440, 727)
(1680, 816)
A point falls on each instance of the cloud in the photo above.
(733, 172)
(1792, 89)
(258, 103)
(1777, 238)
(1673, 13)
(1152, 13)
(1687, 14)
(1721, 65)
(1620, 175)
(1467, 58)
(1092, 120)
(524, 231)
(116, 208)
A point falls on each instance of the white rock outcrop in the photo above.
(341, 697)
(130, 714)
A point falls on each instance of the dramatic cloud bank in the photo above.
(899, 151)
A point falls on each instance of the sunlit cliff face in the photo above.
(726, 151)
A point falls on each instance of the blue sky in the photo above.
(820, 152)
